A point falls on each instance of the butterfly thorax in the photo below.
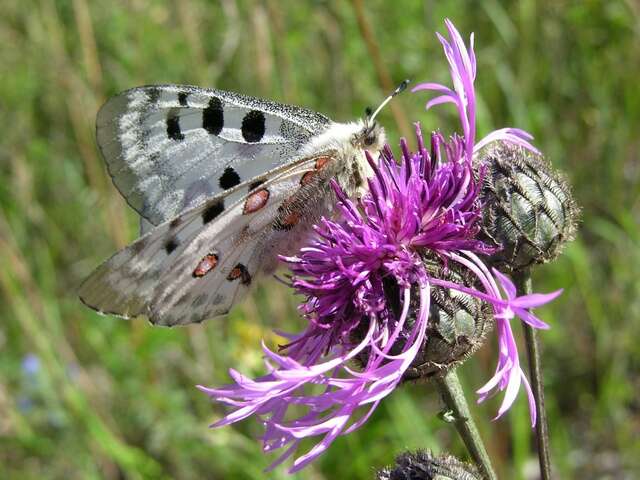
(348, 142)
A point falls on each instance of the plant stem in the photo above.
(453, 396)
(523, 283)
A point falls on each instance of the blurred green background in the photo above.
(83, 396)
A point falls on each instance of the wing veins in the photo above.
(241, 200)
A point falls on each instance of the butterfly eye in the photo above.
(370, 139)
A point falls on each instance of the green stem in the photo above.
(453, 396)
(523, 283)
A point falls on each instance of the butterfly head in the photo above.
(370, 136)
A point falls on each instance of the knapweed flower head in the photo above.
(364, 271)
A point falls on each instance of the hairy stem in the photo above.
(523, 283)
(453, 396)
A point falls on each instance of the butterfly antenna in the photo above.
(400, 88)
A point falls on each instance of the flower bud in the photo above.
(458, 324)
(422, 465)
(528, 208)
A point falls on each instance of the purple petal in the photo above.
(440, 100)
(531, 319)
(511, 393)
(304, 460)
(506, 284)
(535, 299)
(531, 399)
(493, 382)
(510, 135)
(431, 86)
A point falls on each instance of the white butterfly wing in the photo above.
(199, 264)
(168, 148)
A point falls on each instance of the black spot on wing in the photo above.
(175, 223)
(173, 126)
(171, 245)
(256, 184)
(182, 98)
(153, 94)
(212, 211)
(213, 117)
(253, 126)
(229, 179)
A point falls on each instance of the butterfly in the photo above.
(223, 183)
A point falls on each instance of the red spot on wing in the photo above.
(241, 272)
(256, 201)
(291, 219)
(207, 264)
(308, 177)
(289, 214)
(321, 162)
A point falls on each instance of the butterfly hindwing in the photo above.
(169, 148)
(199, 264)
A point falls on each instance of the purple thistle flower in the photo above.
(427, 204)
(462, 66)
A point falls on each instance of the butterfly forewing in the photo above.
(199, 264)
(169, 148)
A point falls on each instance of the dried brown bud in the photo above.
(423, 465)
(529, 209)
